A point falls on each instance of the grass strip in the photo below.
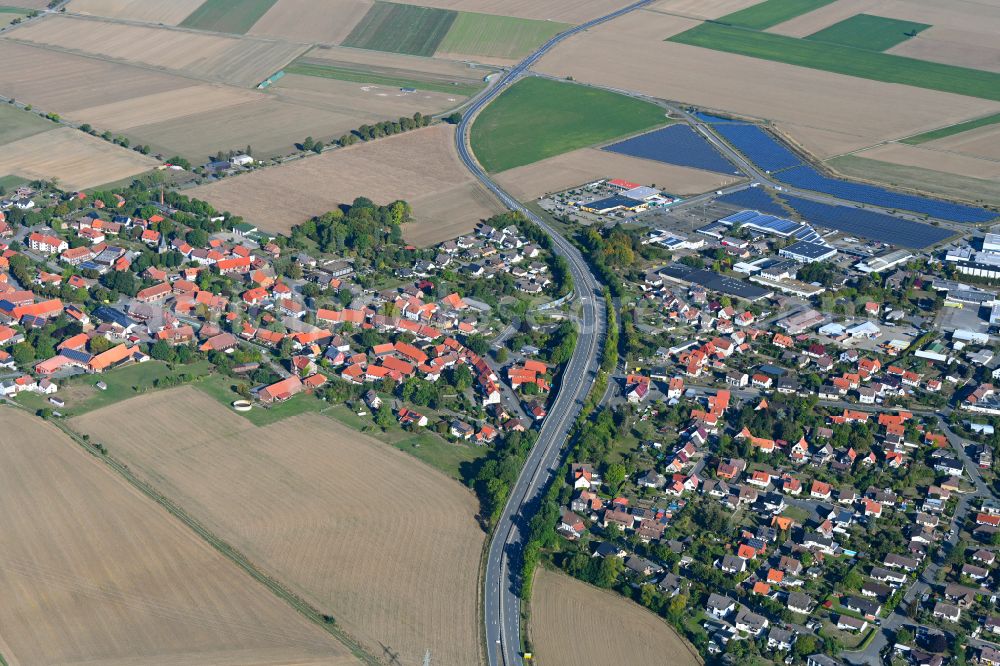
(951, 130)
(346, 74)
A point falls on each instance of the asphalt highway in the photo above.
(503, 564)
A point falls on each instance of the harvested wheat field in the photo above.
(980, 142)
(366, 101)
(147, 11)
(806, 24)
(78, 160)
(314, 21)
(166, 106)
(862, 112)
(94, 572)
(563, 611)
(268, 124)
(926, 156)
(965, 48)
(239, 61)
(565, 11)
(588, 164)
(702, 9)
(420, 167)
(62, 83)
(388, 546)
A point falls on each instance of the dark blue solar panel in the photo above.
(710, 119)
(808, 178)
(675, 144)
(758, 146)
(869, 224)
(755, 198)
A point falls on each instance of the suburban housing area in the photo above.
(500, 333)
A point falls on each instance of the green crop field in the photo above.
(497, 36)
(17, 124)
(538, 118)
(233, 16)
(347, 74)
(844, 60)
(951, 130)
(401, 29)
(864, 31)
(771, 12)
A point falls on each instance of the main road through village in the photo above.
(503, 563)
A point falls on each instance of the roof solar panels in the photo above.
(770, 224)
(808, 178)
(869, 224)
(675, 144)
(758, 146)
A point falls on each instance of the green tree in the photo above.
(615, 476)
(24, 354)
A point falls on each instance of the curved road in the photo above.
(503, 564)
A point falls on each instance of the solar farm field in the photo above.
(875, 33)
(396, 28)
(233, 16)
(771, 12)
(537, 118)
(869, 224)
(807, 178)
(754, 198)
(496, 36)
(675, 144)
(843, 60)
(758, 146)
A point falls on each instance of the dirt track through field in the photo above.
(94, 572)
(573, 623)
(588, 164)
(78, 160)
(385, 544)
(981, 142)
(419, 166)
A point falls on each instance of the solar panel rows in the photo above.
(753, 197)
(758, 146)
(807, 178)
(869, 224)
(675, 144)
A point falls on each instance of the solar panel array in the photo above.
(710, 119)
(807, 178)
(753, 197)
(675, 144)
(773, 225)
(758, 146)
(869, 224)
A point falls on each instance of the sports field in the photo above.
(951, 130)
(385, 544)
(396, 28)
(496, 36)
(17, 124)
(233, 16)
(94, 572)
(874, 33)
(843, 60)
(538, 118)
(771, 12)
(562, 629)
